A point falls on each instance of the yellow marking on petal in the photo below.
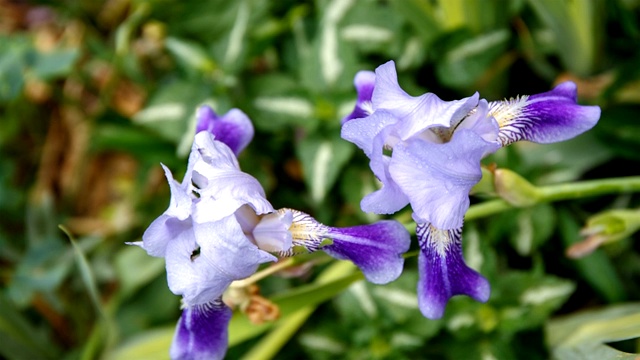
(441, 239)
(507, 111)
(305, 231)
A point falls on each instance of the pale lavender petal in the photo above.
(204, 259)
(202, 332)
(443, 272)
(233, 128)
(181, 199)
(376, 249)
(364, 82)
(416, 113)
(222, 187)
(544, 118)
(390, 197)
(371, 135)
(363, 131)
(480, 123)
(160, 233)
(437, 178)
(272, 232)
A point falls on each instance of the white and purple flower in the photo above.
(219, 227)
(426, 152)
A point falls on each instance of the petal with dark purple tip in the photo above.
(202, 332)
(443, 272)
(364, 82)
(233, 128)
(544, 118)
(376, 249)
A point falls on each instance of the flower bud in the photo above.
(605, 227)
(514, 189)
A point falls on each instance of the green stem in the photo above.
(551, 193)
(589, 188)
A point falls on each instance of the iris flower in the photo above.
(219, 227)
(426, 152)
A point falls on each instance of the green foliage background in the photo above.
(94, 95)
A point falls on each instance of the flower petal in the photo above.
(443, 272)
(376, 249)
(416, 113)
(158, 235)
(181, 200)
(363, 131)
(204, 259)
(202, 332)
(272, 232)
(437, 178)
(223, 188)
(233, 128)
(544, 118)
(364, 82)
(370, 134)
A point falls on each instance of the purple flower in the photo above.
(426, 152)
(219, 228)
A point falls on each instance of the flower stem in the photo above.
(280, 265)
(551, 193)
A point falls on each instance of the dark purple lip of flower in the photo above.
(202, 332)
(376, 248)
(544, 118)
(233, 128)
(443, 272)
(364, 83)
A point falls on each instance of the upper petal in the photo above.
(437, 178)
(364, 82)
(544, 118)
(180, 203)
(233, 128)
(363, 131)
(415, 113)
(222, 187)
(202, 332)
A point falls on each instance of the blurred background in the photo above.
(95, 94)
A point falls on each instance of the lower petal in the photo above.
(443, 272)
(376, 249)
(202, 332)
(544, 118)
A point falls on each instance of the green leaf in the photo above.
(54, 64)
(135, 268)
(151, 345)
(576, 26)
(471, 57)
(191, 55)
(535, 227)
(171, 110)
(20, 340)
(581, 335)
(322, 160)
